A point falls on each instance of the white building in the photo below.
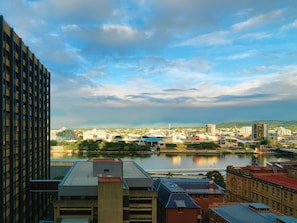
(245, 131)
(94, 134)
(281, 131)
(210, 129)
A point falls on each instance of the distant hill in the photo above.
(271, 124)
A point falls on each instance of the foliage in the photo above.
(169, 175)
(218, 178)
(53, 143)
(170, 145)
(91, 145)
(203, 145)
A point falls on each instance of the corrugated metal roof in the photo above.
(242, 213)
(235, 213)
(280, 180)
(287, 219)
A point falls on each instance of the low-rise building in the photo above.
(246, 212)
(95, 134)
(106, 190)
(274, 185)
(186, 200)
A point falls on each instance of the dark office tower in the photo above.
(259, 131)
(25, 129)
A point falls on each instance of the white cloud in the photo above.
(292, 25)
(257, 20)
(215, 38)
(247, 54)
(256, 36)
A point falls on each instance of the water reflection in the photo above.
(185, 161)
(176, 160)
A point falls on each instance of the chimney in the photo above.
(211, 182)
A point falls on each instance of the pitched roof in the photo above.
(280, 180)
(174, 192)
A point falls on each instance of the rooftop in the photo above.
(280, 180)
(243, 213)
(80, 180)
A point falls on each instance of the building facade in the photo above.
(106, 190)
(210, 129)
(270, 185)
(25, 128)
(259, 131)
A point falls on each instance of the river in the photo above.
(191, 162)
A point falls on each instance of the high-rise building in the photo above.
(25, 129)
(259, 131)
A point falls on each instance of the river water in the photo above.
(186, 161)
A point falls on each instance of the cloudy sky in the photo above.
(125, 63)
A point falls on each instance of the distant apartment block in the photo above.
(281, 131)
(246, 212)
(25, 129)
(186, 200)
(106, 190)
(245, 131)
(275, 186)
(210, 129)
(259, 131)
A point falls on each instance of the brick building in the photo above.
(272, 185)
(186, 200)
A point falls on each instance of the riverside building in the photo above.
(275, 186)
(25, 129)
(106, 190)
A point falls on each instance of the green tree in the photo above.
(53, 143)
(169, 175)
(218, 177)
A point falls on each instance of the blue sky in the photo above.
(148, 63)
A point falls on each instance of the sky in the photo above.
(136, 63)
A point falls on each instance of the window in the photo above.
(180, 209)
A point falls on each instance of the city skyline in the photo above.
(126, 64)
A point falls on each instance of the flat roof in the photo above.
(242, 213)
(132, 170)
(105, 160)
(81, 174)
